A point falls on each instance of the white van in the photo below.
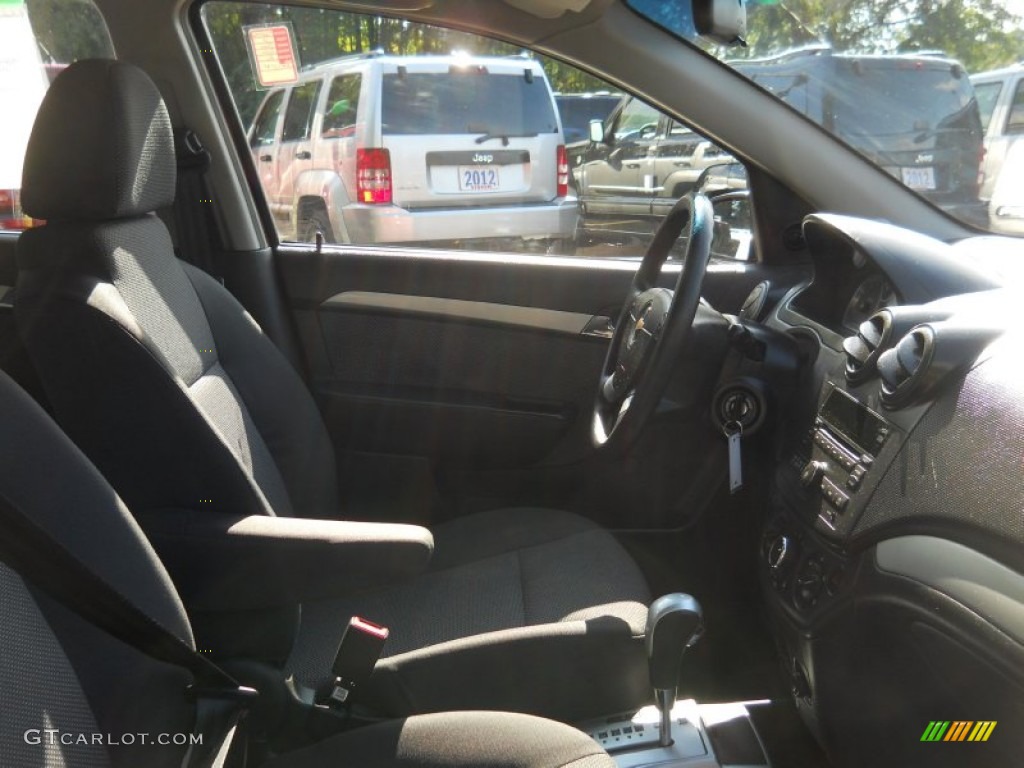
(1000, 95)
(383, 149)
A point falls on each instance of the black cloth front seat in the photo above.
(171, 388)
(72, 696)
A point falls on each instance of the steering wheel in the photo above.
(653, 327)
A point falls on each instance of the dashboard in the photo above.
(892, 556)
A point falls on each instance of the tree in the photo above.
(987, 35)
(981, 34)
(68, 30)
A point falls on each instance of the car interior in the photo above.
(273, 502)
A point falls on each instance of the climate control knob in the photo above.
(812, 474)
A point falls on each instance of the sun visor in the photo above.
(548, 9)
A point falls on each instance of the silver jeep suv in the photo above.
(381, 148)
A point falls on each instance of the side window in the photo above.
(38, 39)
(298, 116)
(1015, 122)
(342, 106)
(987, 95)
(265, 126)
(638, 120)
(487, 149)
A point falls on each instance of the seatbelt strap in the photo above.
(220, 702)
(197, 234)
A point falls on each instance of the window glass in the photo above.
(890, 80)
(452, 141)
(265, 126)
(298, 116)
(38, 39)
(636, 118)
(987, 95)
(1015, 122)
(342, 106)
(578, 109)
(464, 100)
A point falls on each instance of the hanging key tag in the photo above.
(734, 432)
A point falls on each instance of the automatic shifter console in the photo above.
(675, 622)
(677, 733)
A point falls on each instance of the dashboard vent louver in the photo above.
(879, 332)
(901, 367)
(862, 350)
(929, 354)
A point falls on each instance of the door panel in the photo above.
(263, 142)
(617, 174)
(469, 360)
(472, 377)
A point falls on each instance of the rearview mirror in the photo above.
(596, 131)
(722, 21)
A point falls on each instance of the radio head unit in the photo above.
(854, 422)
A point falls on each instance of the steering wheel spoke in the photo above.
(653, 327)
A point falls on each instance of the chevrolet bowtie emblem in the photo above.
(638, 326)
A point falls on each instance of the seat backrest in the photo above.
(68, 692)
(150, 365)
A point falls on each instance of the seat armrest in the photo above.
(256, 562)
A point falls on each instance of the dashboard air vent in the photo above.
(901, 367)
(862, 350)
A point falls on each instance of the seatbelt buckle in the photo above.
(361, 646)
(190, 152)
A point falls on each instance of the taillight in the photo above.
(11, 216)
(562, 163)
(373, 175)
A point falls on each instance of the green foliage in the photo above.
(987, 35)
(321, 35)
(68, 30)
(981, 34)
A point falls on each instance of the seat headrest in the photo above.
(101, 148)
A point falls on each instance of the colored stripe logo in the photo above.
(958, 730)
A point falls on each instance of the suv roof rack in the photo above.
(375, 53)
(815, 49)
(827, 50)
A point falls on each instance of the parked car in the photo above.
(1000, 95)
(923, 125)
(1006, 209)
(384, 149)
(634, 169)
(578, 109)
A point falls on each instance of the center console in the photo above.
(832, 463)
(832, 467)
(702, 736)
(673, 732)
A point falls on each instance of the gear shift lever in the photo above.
(674, 623)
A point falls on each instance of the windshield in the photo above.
(891, 80)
